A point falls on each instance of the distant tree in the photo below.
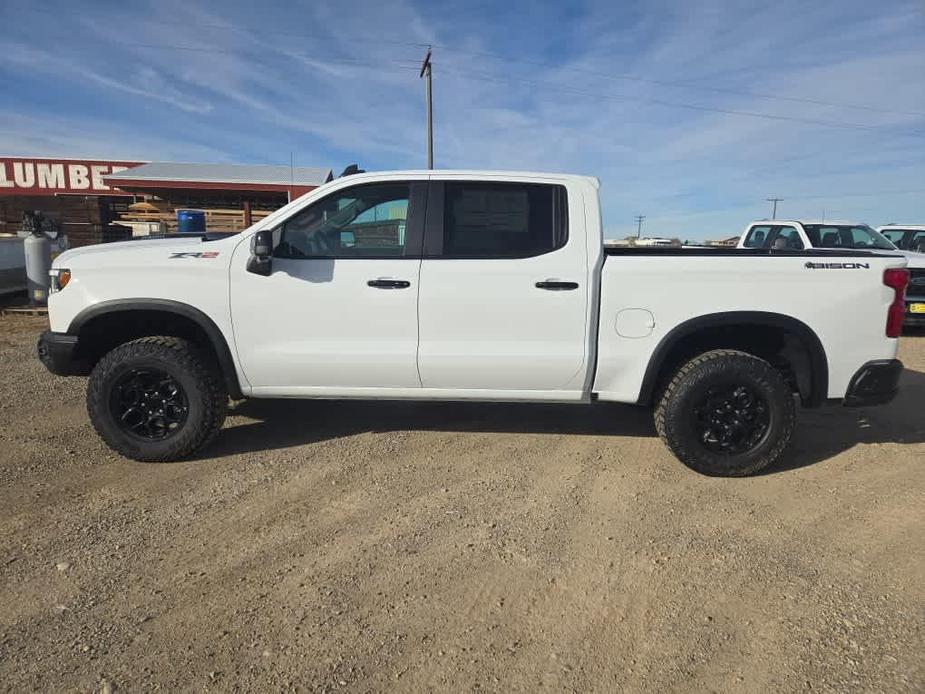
(676, 242)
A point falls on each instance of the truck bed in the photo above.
(837, 297)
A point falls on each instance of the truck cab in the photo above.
(791, 234)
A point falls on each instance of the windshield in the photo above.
(846, 236)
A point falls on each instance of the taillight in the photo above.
(897, 280)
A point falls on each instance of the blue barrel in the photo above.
(191, 221)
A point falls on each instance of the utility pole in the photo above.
(639, 218)
(429, 105)
(774, 201)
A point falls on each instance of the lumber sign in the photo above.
(37, 176)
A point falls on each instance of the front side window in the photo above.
(503, 220)
(846, 236)
(360, 222)
(907, 239)
(916, 241)
(895, 236)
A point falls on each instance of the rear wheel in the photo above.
(156, 399)
(726, 413)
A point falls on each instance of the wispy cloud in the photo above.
(146, 83)
(652, 96)
(69, 136)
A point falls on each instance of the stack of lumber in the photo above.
(217, 219)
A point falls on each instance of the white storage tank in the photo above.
(12, 264)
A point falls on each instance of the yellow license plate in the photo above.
(916, 308)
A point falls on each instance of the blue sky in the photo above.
(691, 113)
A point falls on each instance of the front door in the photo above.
(504, 292)
(339, 309)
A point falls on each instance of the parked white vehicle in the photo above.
(471, 286)
(906, 237)
(798, 235)
(910, 239)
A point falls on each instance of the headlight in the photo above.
(59, 279)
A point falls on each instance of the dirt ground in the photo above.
(321, 546)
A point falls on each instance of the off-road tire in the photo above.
(202, 384)
(675, 418)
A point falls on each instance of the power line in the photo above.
(874, 194)
(677, 104)
(401, 65)
(485, 77)
(682, 85)
(526, 61)
(231, 27)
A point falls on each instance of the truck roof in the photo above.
(831, 222)
(913, 227)
(512, 175)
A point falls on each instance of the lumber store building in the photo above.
(103, 200)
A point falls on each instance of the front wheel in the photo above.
(156, 399)
(726, 413)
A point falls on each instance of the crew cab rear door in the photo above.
(504, 292)
(338, 312)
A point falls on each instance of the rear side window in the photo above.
(503, 220)
(780, 238)
(787, 238)
(757, 236)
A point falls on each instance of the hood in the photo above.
(122, 247)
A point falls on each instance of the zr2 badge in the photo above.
(202, 254)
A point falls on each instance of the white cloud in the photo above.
(582, 88)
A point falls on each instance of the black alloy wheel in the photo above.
(732, 419)
(726, 413)
(157, 398)
(149, 403)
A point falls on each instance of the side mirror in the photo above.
(261, 260)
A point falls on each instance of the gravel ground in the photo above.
(357, 547)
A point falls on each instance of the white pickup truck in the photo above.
(470, 286)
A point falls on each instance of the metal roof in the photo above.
(222, 173)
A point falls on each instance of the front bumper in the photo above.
(875, 383)
(59, 353)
